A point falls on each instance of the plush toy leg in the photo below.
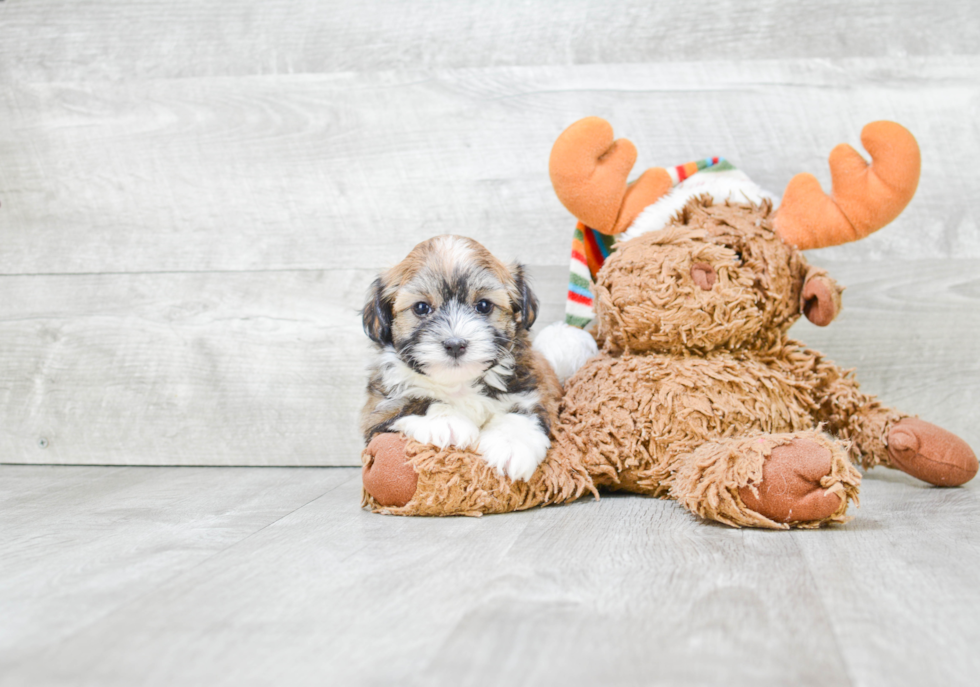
(884, 436)
(854, 416)
(777, 481)
(404, 477)
(387, 475)
(930, 453)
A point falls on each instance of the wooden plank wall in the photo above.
(195, 195)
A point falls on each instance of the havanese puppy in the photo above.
(454, 362)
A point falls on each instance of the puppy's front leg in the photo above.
(514, 444)
(441, 426)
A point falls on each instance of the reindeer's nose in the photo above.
(703, 275)
(455, 347)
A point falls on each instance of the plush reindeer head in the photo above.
(723, 273)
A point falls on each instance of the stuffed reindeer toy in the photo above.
(688, 387)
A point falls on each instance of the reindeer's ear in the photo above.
(377, 314)
(820, 299)
(525, 302)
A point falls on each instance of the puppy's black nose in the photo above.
(455, 347)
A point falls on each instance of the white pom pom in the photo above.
(565, 347)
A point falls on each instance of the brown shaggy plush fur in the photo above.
(695, 387)
(710, 480)
(455, 482)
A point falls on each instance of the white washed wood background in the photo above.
(194, 195)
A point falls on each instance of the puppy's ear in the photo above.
(377, 314)
(526, 303)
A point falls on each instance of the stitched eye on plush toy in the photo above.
(737, 249)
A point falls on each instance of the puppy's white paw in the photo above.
(515, 445)
(440, 429)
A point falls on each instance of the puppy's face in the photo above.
(450, 309)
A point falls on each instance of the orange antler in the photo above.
(865, 197)
(589, 171)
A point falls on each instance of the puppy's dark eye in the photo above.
(484, 307)
(421, 308)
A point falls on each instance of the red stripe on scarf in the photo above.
(593, 253)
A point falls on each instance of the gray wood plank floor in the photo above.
(257, 576)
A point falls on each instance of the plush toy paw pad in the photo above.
(387, 475)
(931, 453)
(790, 490)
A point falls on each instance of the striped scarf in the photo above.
(590, 248)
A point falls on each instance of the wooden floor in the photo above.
(245, 576)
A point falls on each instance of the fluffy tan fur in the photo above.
(695, 387)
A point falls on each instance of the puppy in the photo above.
(454, 363)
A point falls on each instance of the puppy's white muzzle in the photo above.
(458, 344)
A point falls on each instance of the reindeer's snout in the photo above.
(703, 275)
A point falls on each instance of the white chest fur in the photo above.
(501, 427)
(466, 397)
